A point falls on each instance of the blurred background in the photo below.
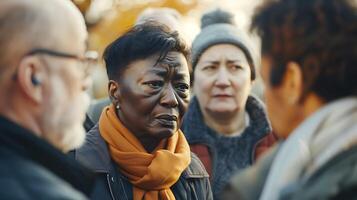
(108, 19)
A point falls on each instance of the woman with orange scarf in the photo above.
(137, 148)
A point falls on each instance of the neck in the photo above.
(149, 144)
(224, 124)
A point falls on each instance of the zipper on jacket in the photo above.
(109, 185)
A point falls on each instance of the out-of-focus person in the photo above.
(163, 15)
(225, 126)
(137, 149)
(167, 16)
(309, 50)
(43, 100)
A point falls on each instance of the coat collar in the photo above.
(94, 152)
(25, 144)
(193, 122)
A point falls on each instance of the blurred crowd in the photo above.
(207, 118)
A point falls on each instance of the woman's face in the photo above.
(153, 98)
(222, 80)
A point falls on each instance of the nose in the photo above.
(222, 78)
(168, 99)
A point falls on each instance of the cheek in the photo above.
(137, 107)
(183, 106)
(242, 79)
(202, 88)
(202, 83)
(242, 85)
(278, 113)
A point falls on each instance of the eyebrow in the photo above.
(163, 72)
(158, 70)
(179, 76)
(217, 62)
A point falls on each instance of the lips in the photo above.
(167, 117)
(167, 120)
(222, 95)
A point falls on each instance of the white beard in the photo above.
(63, 119)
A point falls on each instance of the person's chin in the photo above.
(223, 108)
(222, 112)
(165, 132)
(74, 137)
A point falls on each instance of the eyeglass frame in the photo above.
(87, 60)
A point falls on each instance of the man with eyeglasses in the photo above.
(43, 77)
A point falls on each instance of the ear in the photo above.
(114, 92)
(292, 83)
(29, 77)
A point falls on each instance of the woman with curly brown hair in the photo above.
(309, 50)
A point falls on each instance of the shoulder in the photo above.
(339, 175)
(23, 179)
(264, 144)
(196, 168)
(94, 152)
(249, 183)
(194, 180)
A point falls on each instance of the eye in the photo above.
(182, 87)
(235, 67)
(155, 84)
(209, 68)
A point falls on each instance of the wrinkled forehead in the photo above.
(172, 59)
(173, 62)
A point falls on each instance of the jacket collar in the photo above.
(193, 122)
(25, 144)
(94, 152)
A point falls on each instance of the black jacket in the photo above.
(30, 168)
(193, 183)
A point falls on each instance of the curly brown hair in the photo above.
(319, 35)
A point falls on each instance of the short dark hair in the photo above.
(319, 35)
(140, 42)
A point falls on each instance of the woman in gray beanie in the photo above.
(225, 126)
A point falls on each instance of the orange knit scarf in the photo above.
(152, 174)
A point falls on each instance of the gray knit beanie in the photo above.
(217, 27)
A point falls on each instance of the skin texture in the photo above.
(55, 108)
(152, 98)
(222, 85)
(287, 108)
